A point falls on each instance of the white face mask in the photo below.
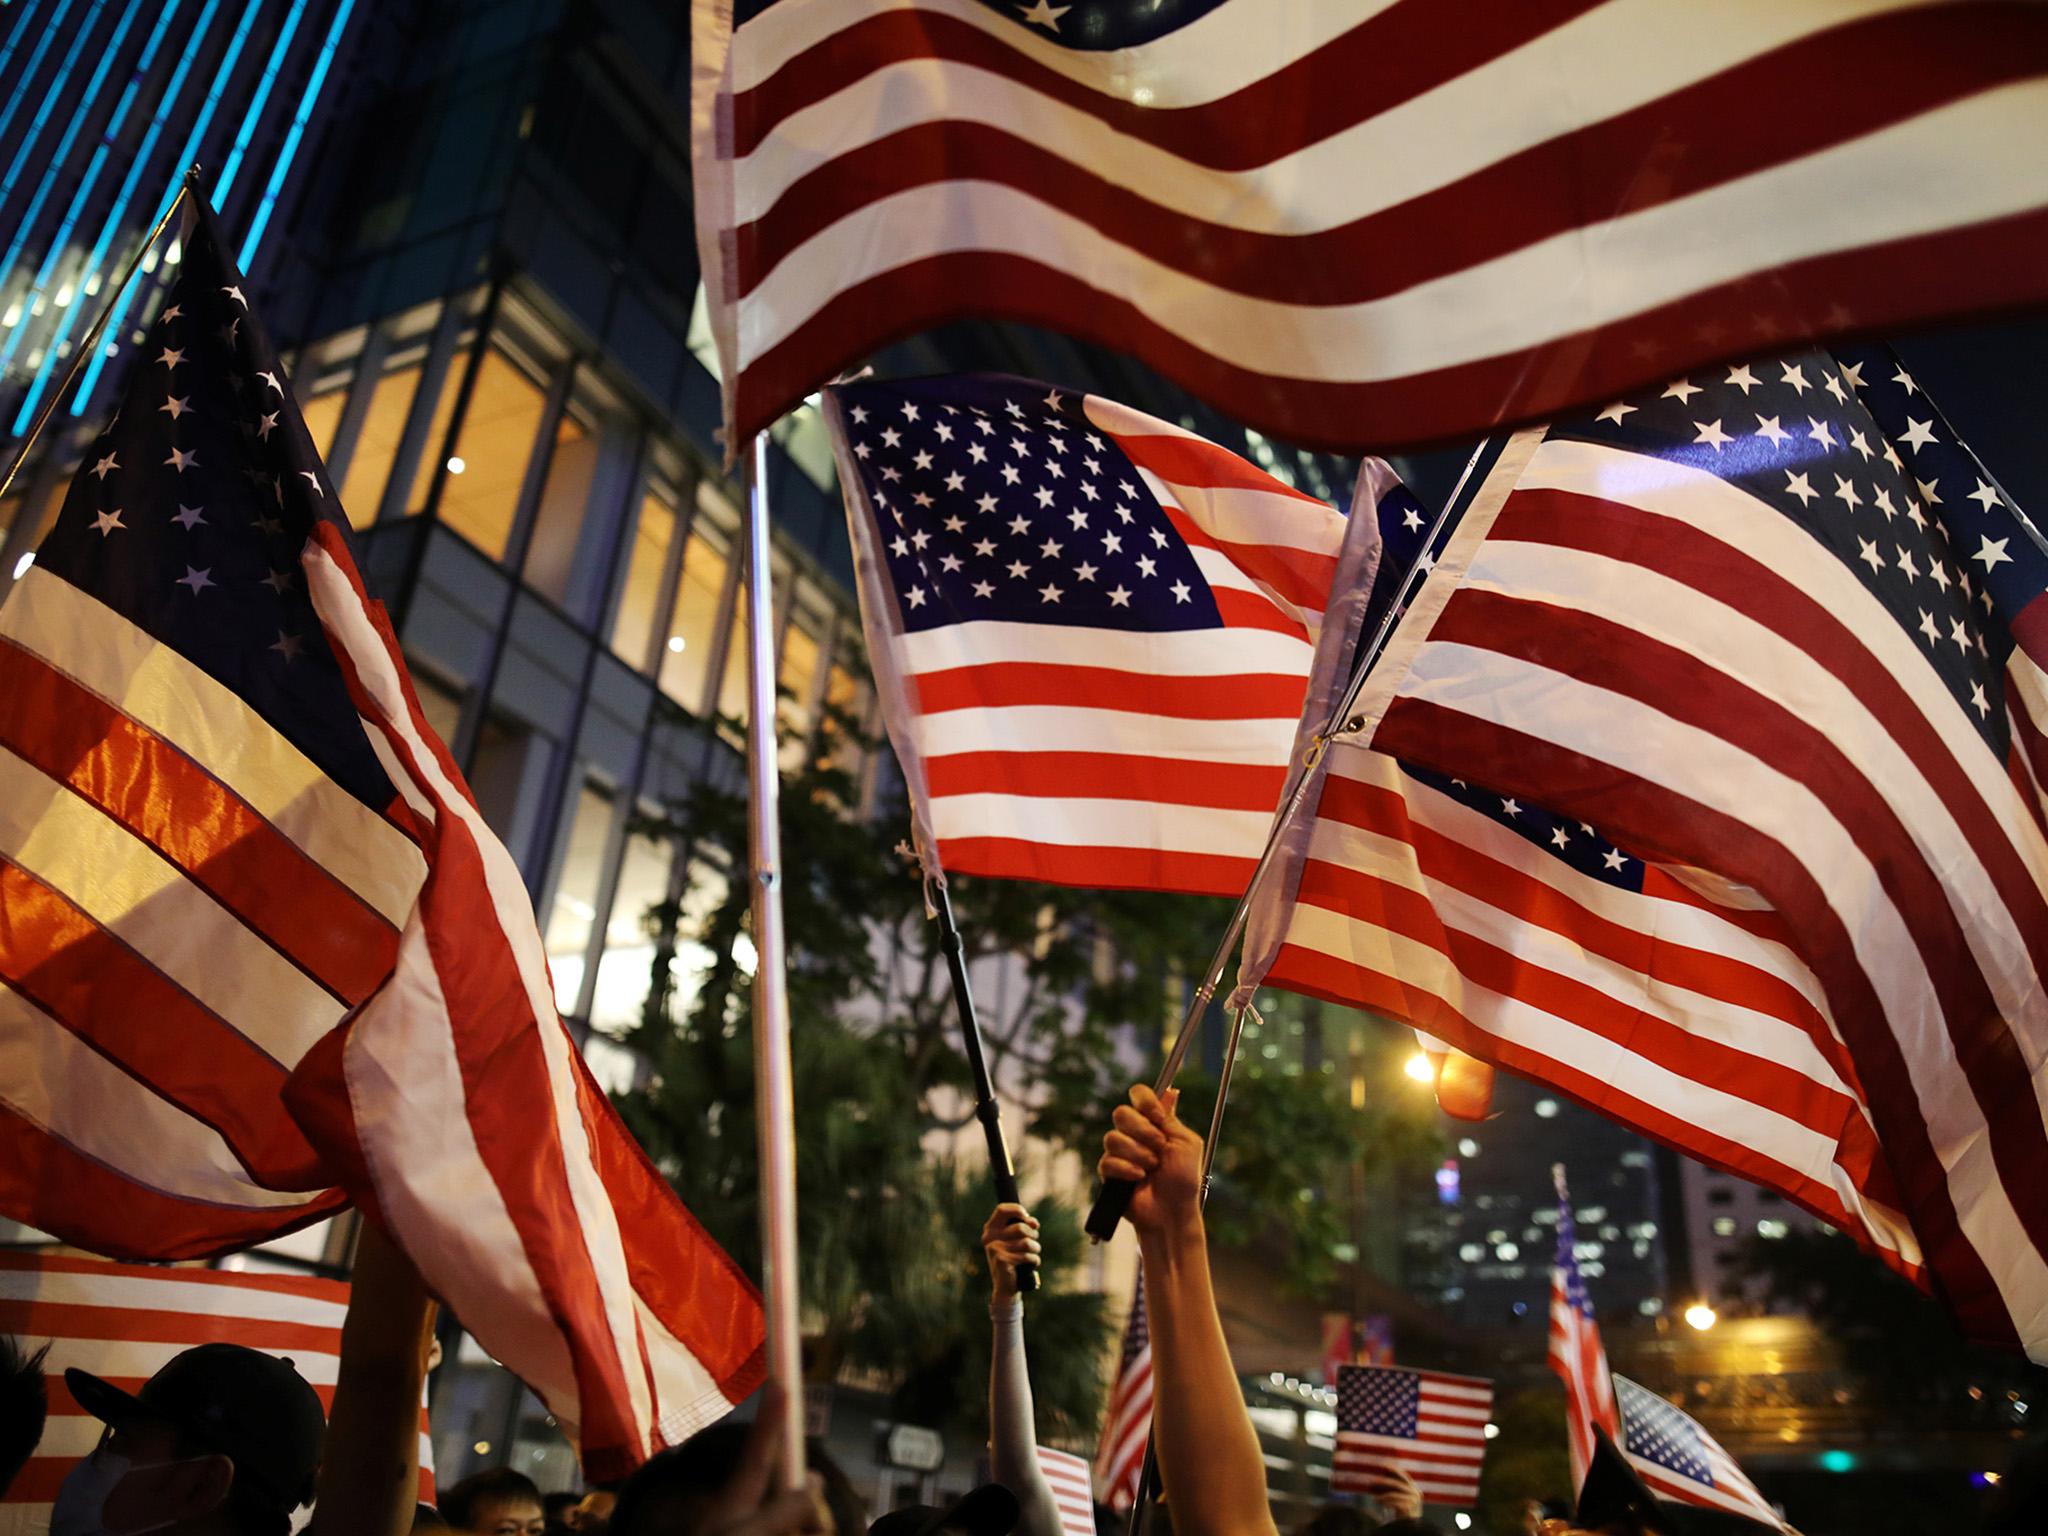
(82, 1501)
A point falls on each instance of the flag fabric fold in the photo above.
(1575, 1352)
(1771, 629)
(1093, 632)
(1127, 1421)
(1680, 1462)
(1352, 223)
(227, 819)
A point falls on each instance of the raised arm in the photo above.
(1010, 1238)
(370, 1471)
(1209, 1457)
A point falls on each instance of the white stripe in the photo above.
(63, 1087)
(151, 683)
(1464, 1444)
(127, 1359)
(1035, 728)
(1173, 653)
(137, 1294)
(1963, 160)
(132, 891)
(1617, 58)
(1713, 772)
(1074, 823)
(1212, 56)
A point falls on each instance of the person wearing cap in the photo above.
(223, 1441)
(990, 1510)
(1009, 1239)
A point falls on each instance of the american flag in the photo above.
(1432, 1426)
(1680, 1462)
(124, 1322)
(239, 869)
(1092, 631)
(1127, 1423)
(1067, 1475)
(1576, 1353)
(1357, 222)
(1761, 622)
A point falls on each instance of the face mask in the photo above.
(95, 1484)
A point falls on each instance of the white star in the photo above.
(1054, 468)
(1869, 554)
(1180, 591)
(1057, 444)
(1113, 543)
(1078, 518)
(1918, 434)
(1010, 475)
(956, 481)
(1020, 524)
(172, 357)
(1985, 495)
(1119, 597)
(1928, 628)
(1019, 568)
(194, 579)
(1050, 549)
(920, 539)
(1978, 702)
(1090, 492)
(1044, 495)
(1710, 432)
(279, 582)
(173, 312)
(1411, 519)
(985, 547)
(1796, 377)
(921, 459)
(314, 481)
(1019, 447)
(861, 450)
(1903, 559)
(1511, 807)
(1939, 573)
(916, 596)
(1906, 379)
(1742, 378)
(1860, 443)
(1125, 488)
(983, 425)
(1883, 501)
(949, 563)
(1559, 837)
(1042, 14)
(1833, 386)
(1916, 516)
(985, 504)
(270, 379)
(1158, 538)
(1050, 593)
(1928, 491)
(265, 426)
(1613, 859)
(182, 460)
(236, 295)
(1959, 632)
(1682, 391)
(177, 405)
(859, 413)
(909, 411)
(922, 499)
(1845, 493)
(1852, 375)
(1820, 432)
(1123, 513)
(977, 453)
(1800, 486)
(1146, 566)
(891, 473)
(955, 525)
(1992, 552)
(287, 646)
(108, 463)
(945, 431)
(106, 522)
(1084, 572)
(1052, 399)
(1767, 427)
(1615, 412)
(188, 517)
(899, 547)
(1891, 457)
(983, 589)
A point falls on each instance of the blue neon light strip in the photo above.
(204, 121)
(35, 62)
(27, 221)
(28, 16)
(256, 106)
(314, 82)
(56, 89)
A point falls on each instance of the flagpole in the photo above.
(774, 1107)
(1114, 1198)
(986, 1109)
(90, 341)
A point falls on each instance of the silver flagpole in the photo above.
(774, 1107)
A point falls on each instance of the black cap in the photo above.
(255, 1409)
(990, 1510)
(1613, 1495)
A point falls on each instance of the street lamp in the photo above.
(1701, 1316)
(1418, 1067)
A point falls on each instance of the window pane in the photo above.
(551, 556)
(369, 467)
(489, 462)
(686, 656)
(653, 534)
(624, 968)
(847, 696)
(801, 653)
(575, 903)
(323, 415)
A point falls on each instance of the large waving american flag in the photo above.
(1127, 1422)
(1428, 1425)
(239, 868)
(1575, 1353)
(1361, 222)
(1092, 631)
(1776, 623)
(1680, 1462)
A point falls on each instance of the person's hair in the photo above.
(24, 1404)
(461, 1504)
(701, 1465)
(427, 1518)
(555, 1505)
(1338, 1520)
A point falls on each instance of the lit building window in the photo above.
(564, 498)
(625, 967)
(1771, 1229)
(1724, 1226)
(693, 624)
(654, 534)
(1546, 1109)
(488, 465)
(574, 907)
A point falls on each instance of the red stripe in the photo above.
(196, 823)
(1124, 869)
(1253, 610)
(1672, 147)
(2016, 770)
(1706, 564)
(79, 1320)
(1107, 776)
(2027, 736)
(1657, 819)
(92, 984)
(1299, 576)
(1629, 663)
(1009, 684)
(1760, 921)
(48, 1185)
(1396, 56)
(1200, 465)
(1874, 289)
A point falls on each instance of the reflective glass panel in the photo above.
(574, 907)
(489, 462)
(654, 533)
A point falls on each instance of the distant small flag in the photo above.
(1127, 1426)
(1576, 1353)
(1680, 1461)
(1430, 1425)
(125, 1322)
(1071, 1490)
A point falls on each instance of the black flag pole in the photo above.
(986, 1109)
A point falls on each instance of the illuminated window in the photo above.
(489, 462)
(802, 650)
(732, 688)
(693, 623)
(623, 971)
(369, 465)
(574, 908)
(551, 555)
(323, 414)
(654, 534)
(847, 696)
(1724, 1226)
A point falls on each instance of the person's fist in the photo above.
(1402, 1500)
(1010, 1238)
(1152, 1149)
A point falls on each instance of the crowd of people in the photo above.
(229, 1441)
